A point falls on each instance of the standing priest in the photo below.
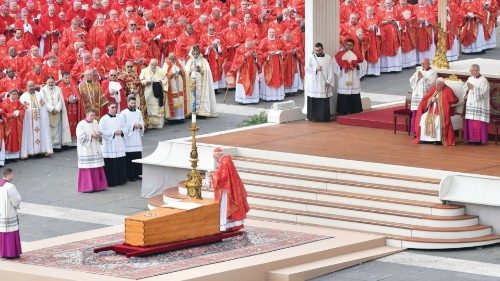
(113, 131)
(133, 138)
(318, 85)
(91, 176)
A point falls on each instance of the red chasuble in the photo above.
(272, 62)
(424, 34)
(246, 66)
(215, 59)
(99, 37)
(73, 109)
(292, 62)
(445, 99)
(372, 52)
(13, 125)
(469, 30)
(389, 31)
(226, 179)
(51, 24)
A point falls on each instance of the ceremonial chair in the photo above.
(404, 113)
(495, 120)
(457, 119)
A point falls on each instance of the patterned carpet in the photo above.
(79, 256)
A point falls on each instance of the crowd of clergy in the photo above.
(395, 35)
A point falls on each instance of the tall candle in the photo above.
(193, 118)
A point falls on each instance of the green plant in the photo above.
(255, 119)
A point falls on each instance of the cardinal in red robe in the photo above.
(211, 46)
(229, 188)
(437, 101)
(72, 101)
(13, 111)
(100, 35)
(51, 28)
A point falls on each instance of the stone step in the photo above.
(340, 185)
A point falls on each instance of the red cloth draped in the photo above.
(469, 30)
(372, 51)
(389, 31)
(226, 179)
(73, 109)
(448, 98)
(99, 37)
(272, 63)
(292, 62)
(13, 125)
(246, 66)
(214, 59)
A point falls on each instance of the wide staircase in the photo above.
(404, 208)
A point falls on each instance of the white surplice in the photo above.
(113, 146)
(318, 84)
(59, 125)
(133, 137)
(478, 99)
(9, 203)
(36, 138)
(88, 149)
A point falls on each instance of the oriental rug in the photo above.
(79, 256)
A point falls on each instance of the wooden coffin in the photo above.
(168, 225)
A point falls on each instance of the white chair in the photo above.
(457, 120)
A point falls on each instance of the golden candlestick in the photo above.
(440, 60)
(194, 181)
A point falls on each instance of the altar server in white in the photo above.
(114, 129)
(58, 116)
(133, 138)
(318, 87)
(36, 129)
(348, 69)
(477, 107)
(421, 81)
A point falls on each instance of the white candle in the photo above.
(193, 118)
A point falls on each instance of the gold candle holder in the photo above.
(440, 60)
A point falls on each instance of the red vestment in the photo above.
(71, 14)
(424, 33)
(214, 58)
(226, 179)
(372, 51)
(169, 36)
(184, 44)
(272, 62)
(231, 39)
(347, 65)
(133, 54)
(389, 31)
(110, 98)
(350, 31)
(127, 36)
(20, 45)
(15, 63)
(251, 31)
(7, 84)
(54, 71)
(28, 62)
(54, 26)
(70, 36)
(37, 78)
(469, 30)
(408, 29)
(99, 37)
(109, 63)
(13, 124)
(445, 99)
(73, 109)
(247, 67)
(154, 45)
(347, 10)
(292, 62)
(116, 29)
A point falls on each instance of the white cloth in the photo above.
(2, 154)
(319, 84)
(88, 149)
(241, 97)
(409, 59)
(492, 42)
(59, 125)
(225, 223)
(154, 108)
(133, 138)
(478, 99)
(437, 127)
(269, 93)
(420, 87)
(392, 64)
(373, 68)
(113, 146)
(9, 203)
(454, 52)
(36, 128)
(206, 104)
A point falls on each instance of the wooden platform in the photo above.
(364, 144)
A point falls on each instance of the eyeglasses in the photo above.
(129, 66)
(112, 107)
(133, 24)
(113, 75)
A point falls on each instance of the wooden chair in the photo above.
(495, 120)
(404, 113)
